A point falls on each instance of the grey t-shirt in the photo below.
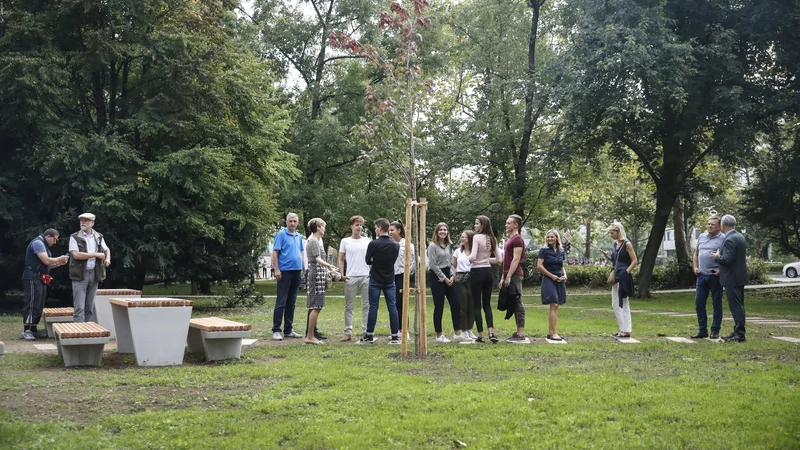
(705, 245)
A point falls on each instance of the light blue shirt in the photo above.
(290, 250)
(705, 245)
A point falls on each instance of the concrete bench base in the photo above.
(50, 320)
(217, 345)
(82, 351)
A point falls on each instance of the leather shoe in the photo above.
(714, 336)
(699, 336)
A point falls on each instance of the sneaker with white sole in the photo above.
(461, 337)
(367, 339)
(517, 339)
(470, 334)
(276, 336)
(27, 335)
(442, 340)
(394, 340)
(293, 335)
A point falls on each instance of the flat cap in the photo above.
(89, 216)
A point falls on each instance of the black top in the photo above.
(553, 260)
(381, 255)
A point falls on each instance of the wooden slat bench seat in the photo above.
(217, 324)
(81, 344)
(150, 302)
(56, 315)
(218, 338)
(118, 292)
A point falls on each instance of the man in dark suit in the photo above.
(733, 274)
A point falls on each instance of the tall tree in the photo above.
(667, 80)
(154, 114)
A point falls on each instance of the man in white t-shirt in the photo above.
(355, 274)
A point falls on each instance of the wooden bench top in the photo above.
(149, 302)
(79, 330)
(53, 312)
(217, 324)
(118, 292)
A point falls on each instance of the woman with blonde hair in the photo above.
(484, 244)
(317, 277)
(554, 276)
(462, 267)
(623, 259)
(441, 281)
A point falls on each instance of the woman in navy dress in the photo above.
(554, 278)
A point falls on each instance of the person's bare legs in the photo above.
(552, 318)
(312, 324)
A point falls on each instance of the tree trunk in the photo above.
(588, 252)
(681, 242)
(665, 199)
(521, 160)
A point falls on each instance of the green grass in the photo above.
(590, 393)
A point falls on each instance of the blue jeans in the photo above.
(288, 286)
(374, 297)
(706, 283)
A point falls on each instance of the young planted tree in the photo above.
(393, 106)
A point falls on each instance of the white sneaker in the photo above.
(460, 337)
(471, 335)
(276, 336)
(293, 335)
(442, 340)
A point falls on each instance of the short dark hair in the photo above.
(517, 219)
(399, 226)
(50, 232)
(314, 224)
(383, 224)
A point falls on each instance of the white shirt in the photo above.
(355, 250)
(462, 261)
(400, 264)
(91, 247)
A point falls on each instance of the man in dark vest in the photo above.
(732, 259)
(89, 257)
(35, 277)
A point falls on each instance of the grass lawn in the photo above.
(591, 393)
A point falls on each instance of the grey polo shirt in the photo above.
(705, 245)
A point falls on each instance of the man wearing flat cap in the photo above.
(89, 257)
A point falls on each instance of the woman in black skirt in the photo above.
(554, 278)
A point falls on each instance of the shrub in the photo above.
(757, 270)
(672, 276)
(244, 296)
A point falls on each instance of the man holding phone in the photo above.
(707, 271)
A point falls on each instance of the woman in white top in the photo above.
(462, 268)
(484, 244)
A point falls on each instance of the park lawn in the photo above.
(590, 393)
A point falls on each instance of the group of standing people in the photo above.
(87, 260)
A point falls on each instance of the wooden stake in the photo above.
(406, 283)
(421, 272)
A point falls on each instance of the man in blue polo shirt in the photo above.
(707, 271)
(287, 260)
(35, 277)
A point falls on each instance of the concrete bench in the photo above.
(102, 306)
(218, 338)
(56, 315)
(154, 329)
(81, 344)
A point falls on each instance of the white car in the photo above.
(791, 270)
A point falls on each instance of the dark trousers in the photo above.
(467, 319)
(398, 294)
(288, 286)
(481, 282)
(33, 293)
(706, 284)
(439, 291)
(389, 291)
(735, 296)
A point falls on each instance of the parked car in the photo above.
(791, 270)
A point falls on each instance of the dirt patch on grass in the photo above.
(85, 402)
